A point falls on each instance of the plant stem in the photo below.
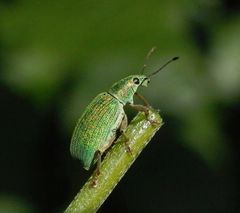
(116, 163)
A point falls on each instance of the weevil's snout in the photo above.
(145, 82)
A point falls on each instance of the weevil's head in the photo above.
(124, 89)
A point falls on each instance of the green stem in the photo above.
(116, 163)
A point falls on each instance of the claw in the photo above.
(148, 116)
(154, 123)
(126, 140)
(95, 178)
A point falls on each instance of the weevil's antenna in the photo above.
(168, 62)
(147, 58)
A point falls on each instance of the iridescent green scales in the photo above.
(96, 128)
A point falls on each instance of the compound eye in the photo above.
(136, 81)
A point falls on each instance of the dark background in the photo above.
(55, 56)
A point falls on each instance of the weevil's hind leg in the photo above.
(123, 127)
(142, 99)
(144, 109)
(99, 161)
(97, 172)
(98, 158)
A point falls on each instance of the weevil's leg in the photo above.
(140, 108)
(99, 161)
(97, 172)
(124, 123)
(144, 109)
(142, 99)
(123, 127)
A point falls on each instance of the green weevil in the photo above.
(96, 129)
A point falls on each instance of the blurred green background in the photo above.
(55, 56)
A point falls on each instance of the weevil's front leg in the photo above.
(123, 127)
(142, 99)
(144, 109)
(97, 172)
(140, 108)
